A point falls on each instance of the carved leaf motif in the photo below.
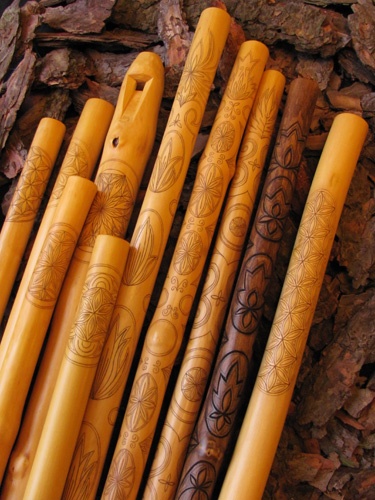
(113, 361)
(264, 118)
(142, 256)
(166, 170)
(80, 479)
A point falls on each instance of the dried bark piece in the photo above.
(139, 14)
(354, 69)
(108, 67)
(362, 26)
(174, 32)
(330, 382)
(9, 29)
(17, 86)
(81, 16)
(316, 68)
(306, 27)
(110, 40)
(29, 21)
(65, 67)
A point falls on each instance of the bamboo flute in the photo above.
(127, 147)
(165, 333)
(26, 201)
(215, 426)
(36, 311)
(266, 413)
(77, 371)
(196, 365)
(80, 159)
(149, 240)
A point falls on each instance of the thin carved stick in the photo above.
(80, 159)
(199, 354)
(126, 150)
(77, 371)
(148, 244)
(265, 416)
(26, 201)
(215, 425)
(165, 333)
(36, 311)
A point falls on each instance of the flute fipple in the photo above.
(80, 159)
(266, 413)
(149, 240)
(77, 370)
(165, 333)
(216, 423)
(194, 373)
(126, 149)
(22, 354)
(26, 201)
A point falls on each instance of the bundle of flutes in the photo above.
(74, 325)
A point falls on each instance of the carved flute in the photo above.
(26, 201)
(80, 159)
(165, 333)
(77, 370)
(149, 240)
(266, 413)
(127, 147)
(215, 425)
(195, 368)
(36, 311)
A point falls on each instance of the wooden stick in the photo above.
(26, 201)
(35, 314)
(268, 407)
(165, 333)
(126, 149)
(77, 371)
(215, 425)
(149, 241)
(80, 159)
(201, 348)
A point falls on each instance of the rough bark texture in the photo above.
(54, 55)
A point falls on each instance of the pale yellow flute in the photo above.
(58, 439)
(200, 351)
(26, 201)
(149, 241)
(266, 413)
(126, 150)
(164, 335)
(80, 159)
(35, 313)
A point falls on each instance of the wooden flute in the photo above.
(36, 311)
(195, 369)
(165, 333)
(148, 242)
(77, 370)
(267, 410)
(26, 201)
(215, 426)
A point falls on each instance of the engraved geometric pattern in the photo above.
(30, 188)
(90, 327)
(51, 266)
(121, 476)
(111, 208)
(75, 163)
(300, 290)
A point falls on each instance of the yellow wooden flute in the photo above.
(26, 201)
(266, 413)
(36, 311)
